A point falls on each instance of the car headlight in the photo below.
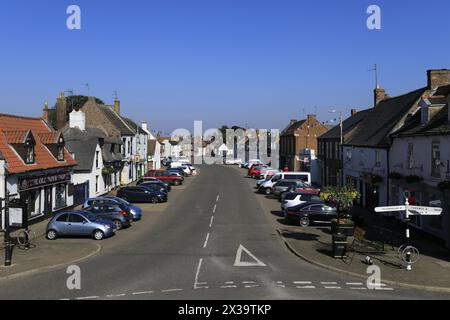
(133, 211)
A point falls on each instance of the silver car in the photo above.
(284, 185)
(79, 224)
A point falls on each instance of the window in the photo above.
(377, 158)
(29, 159)
(62, 218)
(76, 218)
(60, 196)
(96, 159)
(337, 150)
(60, 155)
(436, 159)
(96, 184)
(349, 155)
(410, 156)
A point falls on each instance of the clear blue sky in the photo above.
(254, 62)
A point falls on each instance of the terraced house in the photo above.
(35, 166)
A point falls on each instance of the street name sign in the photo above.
(425, 211)
(391, 208)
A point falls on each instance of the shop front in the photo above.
(44, 192)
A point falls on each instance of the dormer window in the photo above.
(60, 156)
(54, 142)
(29, 157)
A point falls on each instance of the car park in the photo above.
(310, 212)
(134, 210)
(79, 224)
(140, 194)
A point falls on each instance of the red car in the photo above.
(255, 171)
(166, 176)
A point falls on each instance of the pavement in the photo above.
(214, 239)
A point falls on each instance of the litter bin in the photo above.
(339, 246)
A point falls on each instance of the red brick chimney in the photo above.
(45, 113)
(312, 118)
(61, 111)
(438, 78)
(117, 106)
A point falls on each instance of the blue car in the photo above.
(79, 224)
(134, 210)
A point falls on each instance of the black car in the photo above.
(310, 212)
(153, 180)
(155, 185)
(140, 194)
(119, 214)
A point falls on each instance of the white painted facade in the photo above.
(358, 163)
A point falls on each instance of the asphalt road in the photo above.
(188, 250)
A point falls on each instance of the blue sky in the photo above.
(247, 62)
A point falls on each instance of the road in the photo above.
(189, 250)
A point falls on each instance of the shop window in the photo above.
(60, 196)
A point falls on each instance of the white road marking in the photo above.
(354, 283)
(328, 283)
(248, 282)
(116, 295)
(252, 286)
(206, 241)
(218, 197)
(327, 287)
(229, 282)
(215, 207)
(358, 288)
(225, 287)
(387, 289)
(142, 292)
(171, 290)
(302, 282)
(86, 298)
(197, 273)
(305, 287)
(239, 263)
(211, 223)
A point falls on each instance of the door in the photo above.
(77, 225)
(317, 213)
(48, 199)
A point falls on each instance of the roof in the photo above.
(84, 143)
(50, 137)
(348, 125)
(117, 121)
(16, 136)
(1, 156)
(44, 159)
(380, 121)
(294, 125)
(133, 125)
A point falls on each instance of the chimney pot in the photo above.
(438, 78)
(353, 112)
(379, 95)
(117, 106)
(311, 117)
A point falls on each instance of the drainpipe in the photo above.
(2, 190)
(387, 178)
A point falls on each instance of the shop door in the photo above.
(48, 199)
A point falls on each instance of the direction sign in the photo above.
(391, 208)
(425, 211)
(223, 148)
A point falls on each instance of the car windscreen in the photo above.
(290, 196)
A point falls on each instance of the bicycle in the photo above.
(25, 239)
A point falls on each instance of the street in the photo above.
(213, 240)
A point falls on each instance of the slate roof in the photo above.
(290, 129)
(133, 125)
(44, 159)
(84, 143)
(348, 126)
(374, 129)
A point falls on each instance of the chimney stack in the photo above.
(117, 106)
(144, 125)
(379, 95)
(77, 119)
(353, 112)
(311, 117)
(45, 113)
(61, 111)
(438, 78)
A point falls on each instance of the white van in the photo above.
(267, 185)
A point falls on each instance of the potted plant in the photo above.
(342, 226)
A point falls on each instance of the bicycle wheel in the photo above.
(25, 237)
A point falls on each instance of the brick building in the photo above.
(299, 135)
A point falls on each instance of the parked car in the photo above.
(281, 186)
(141, 194)
(255, 171)
(79, 224)
(292, 199)
(244, 165)
(310, 212)
(158, 186)
(166, 176)
(120, 215)
(266, 186)
(230, 161)
(134, 210)
(152, 179)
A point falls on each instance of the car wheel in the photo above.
(118, 224)
(154, 200)
(304, 222)
(176, 183)
(98, 235)
(268, 191)
(51, 235)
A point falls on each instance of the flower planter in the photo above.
(345, 229)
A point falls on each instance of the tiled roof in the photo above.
(43, 158)
(348, 126)
(290, 129)
(16, 137)
(380, 121)
(49, 137)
